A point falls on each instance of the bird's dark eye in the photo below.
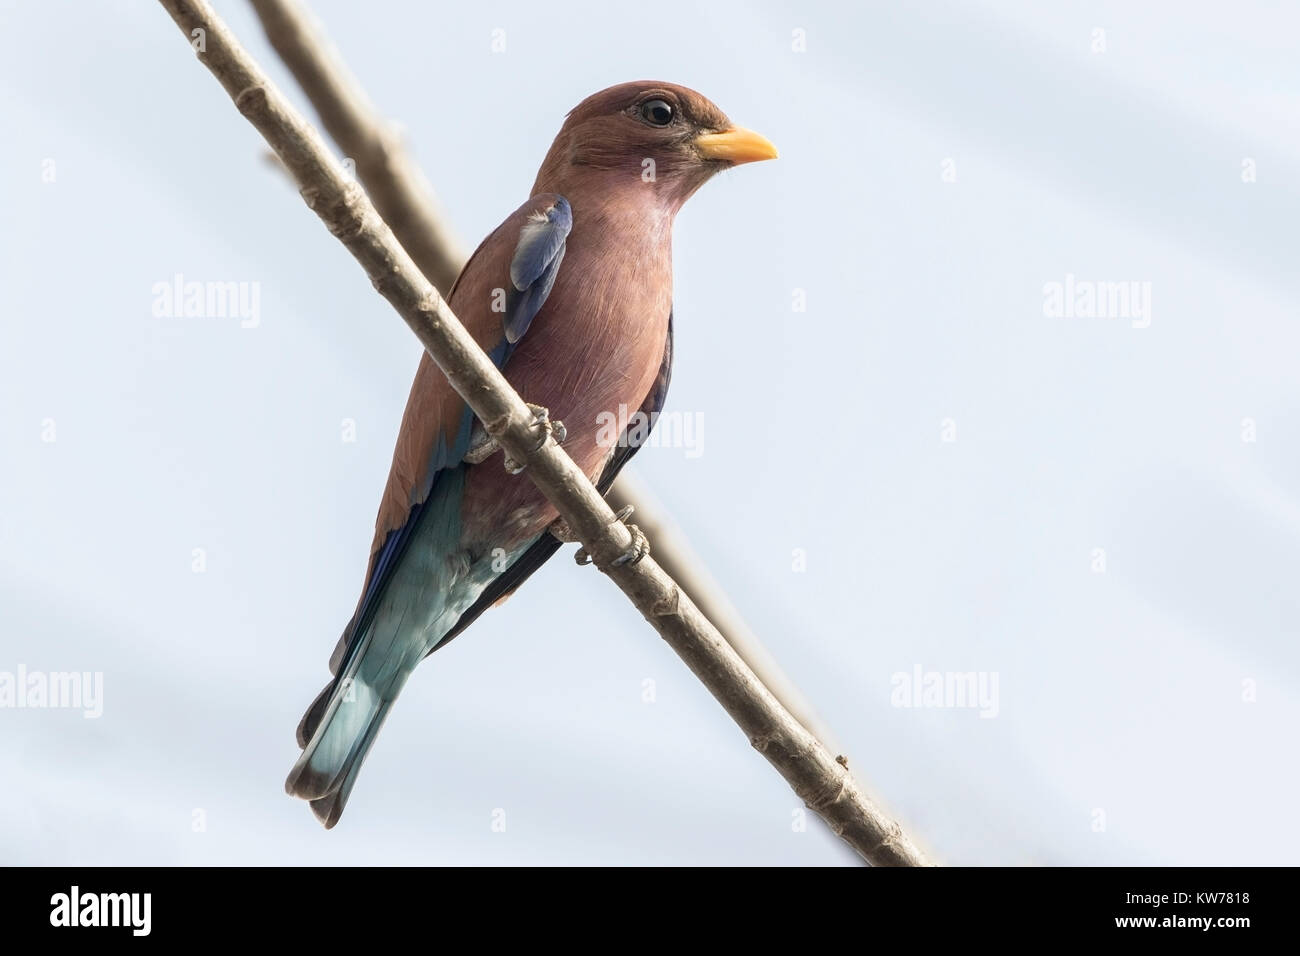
(657, 112)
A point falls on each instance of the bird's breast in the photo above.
(590, 357)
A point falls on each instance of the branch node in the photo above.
(347, 215)
(827, 795)
(251, 100)
(893, 835)
(497, 427)
(427, 307)
(669, 605)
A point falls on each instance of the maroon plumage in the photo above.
(572, 296)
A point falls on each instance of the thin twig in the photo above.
(824, 785)
(396, 185)
(676, 556)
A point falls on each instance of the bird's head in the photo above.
(659, 138)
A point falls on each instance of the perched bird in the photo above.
(571, 297)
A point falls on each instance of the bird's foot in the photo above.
(483, 446)
(548, 429)
(561, 532)
(638, 549)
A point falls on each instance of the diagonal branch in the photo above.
(396, 185)
(825, 786)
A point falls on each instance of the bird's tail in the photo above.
(341, 725)
(430, 586)
(332, 758)
(432, 583)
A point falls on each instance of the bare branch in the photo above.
(396, 185)
(824, 785)
(679, 561)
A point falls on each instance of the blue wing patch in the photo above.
(395, 542)
(535, 265)
(533, 268)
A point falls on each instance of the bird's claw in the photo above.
(639, 548)
(561, 532)
(483, 446)
(548, 429)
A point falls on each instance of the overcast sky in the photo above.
(909, 457)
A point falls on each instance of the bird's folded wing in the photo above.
(501, 289)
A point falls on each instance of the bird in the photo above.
(571, 298)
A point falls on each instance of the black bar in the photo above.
(330, 907)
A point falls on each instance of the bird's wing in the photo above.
(501, 289)
(544, 547)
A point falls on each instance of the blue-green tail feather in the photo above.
(430, 587)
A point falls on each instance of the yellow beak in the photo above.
(737, 145)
